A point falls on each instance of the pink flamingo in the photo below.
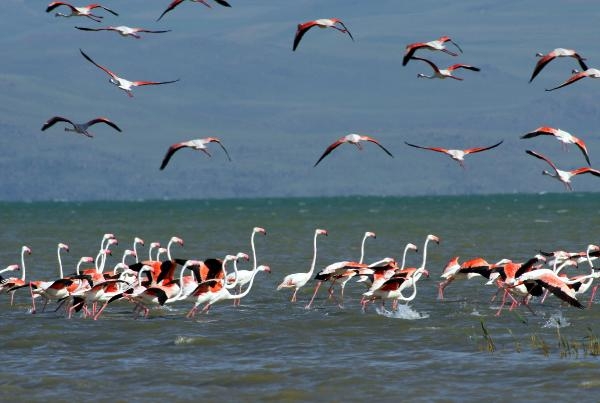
(124, 30)
(437, 45)
(81, 128)
(562, 136)
(321, 23)
(83, 11)
(197, 144)
(559, 174)
(175, 3)
(352, 138)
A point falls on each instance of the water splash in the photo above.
(556, 320)
(403, 312)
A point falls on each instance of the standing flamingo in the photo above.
(444, 73)
(352, 138)
(224, 294)
(137, 241)
(559, 174)
(562, 136)
(122, 83)
(197, 144)
(298, 280)
(558, 52)
(14, 281)
(83, 11)
(175, 3)
(321, 23)
(457, 155)
(438, 44)
(243, 276)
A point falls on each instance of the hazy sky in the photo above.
(277, 110)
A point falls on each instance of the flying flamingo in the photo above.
(175, 3)
(84, 11)
(548, 57)
(298, 280)
(243, 276)
(321, 23)
(122, 83)
(197, 144)
(476, 267)
(81, 128)
(438, 44)
(344, 269)
(562, 136)
(578, 75)
(352, 139)
(560, 175)
(457, 155)
(445, 73)
(550, 281)
(124, 30)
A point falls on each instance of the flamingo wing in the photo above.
(55, 4)
(149, 31)
(374, 141)
(586, 170)
(172, 150)
(479, 149)
(346, 29)
(54, 120)
(542, 157)
(216, 140)
(429, 62)
(329, 150)
(95, 29)
(561, 290)
(107, 71)
(455, 44)
(571, 80)
(92, 6)
(103, 120)
(438, 149)
(541, 64)
(410, 51)
(540, 131)
(140, 83)
(223, 3)
(171, 6)
(581, 145)
(463, 66)
(302, 29)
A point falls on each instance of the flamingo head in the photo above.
(261, 230)
(129, 252)
(369, 234)
(138, 240)
(264, 268)
(86, 259)
(162, 250)
(108, 236)
(113, 81)
(321, 232)
(425, 273)
(63, 246)
(242, 255)
(106, 252)
(192, 263)
(26, 249)
(575, 71)
(177, 240)
(13, 267)
(412, 246)
(433, 238)
(539, 54)
(154, 245)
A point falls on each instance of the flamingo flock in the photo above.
(414, 52)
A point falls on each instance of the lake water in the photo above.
(269, 349)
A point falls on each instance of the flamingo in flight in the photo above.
(438, 44)
(548, 57)
(562, 136)
(83, 11)
(457, 155)
(578, 75)
(352, 138)
(552, 282)
(447, 72)
(321, 23)
(560, 175)
(81, 128)
(122, 83)
(197, 144)
(124, 30)
(175, 3)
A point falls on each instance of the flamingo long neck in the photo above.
(137, 259)
(97, 260)
(362, 249)
(60, 269)
(587, 255)
(169, 249)
(414, 293)
(235, 278)
(247, 290)
(314, 260)
(23, 264)
(78, 266)
(180, 292)
(150, 252)
(100, 268)
(253, 250)
(404, 257)
(425, 253)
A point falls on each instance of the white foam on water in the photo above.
(556, 320)
(403, 312)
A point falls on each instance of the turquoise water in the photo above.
(271, 349)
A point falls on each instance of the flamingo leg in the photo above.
(313, 296)
(294, 296)
(592, 297)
